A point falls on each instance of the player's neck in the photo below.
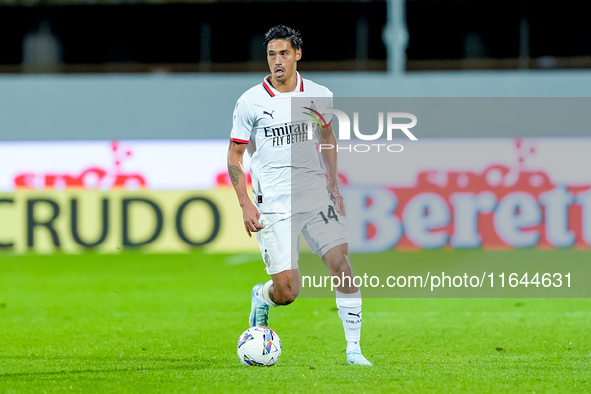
(287, 86)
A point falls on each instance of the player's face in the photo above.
(282, 59)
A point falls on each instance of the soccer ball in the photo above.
(259, 346)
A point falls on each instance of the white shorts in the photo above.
(279, 241)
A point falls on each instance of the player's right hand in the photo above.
(251, 217)
(336, 196)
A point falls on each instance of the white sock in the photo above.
(265, 294)
(349, 307)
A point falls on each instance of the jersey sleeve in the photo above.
(325, 101)
(329, 105)
(242, 123)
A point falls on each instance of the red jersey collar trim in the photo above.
(268, 87)
(273, 92)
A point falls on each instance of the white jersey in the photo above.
(285, 167)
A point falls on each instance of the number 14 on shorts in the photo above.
(330, 214)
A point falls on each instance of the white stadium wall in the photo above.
(183, 106)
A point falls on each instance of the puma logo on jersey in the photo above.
(355, 314)
(269, 113)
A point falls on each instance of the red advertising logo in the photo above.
(498, 207)
(92, 177)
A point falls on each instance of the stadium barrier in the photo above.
(174, 196)
(116, 220)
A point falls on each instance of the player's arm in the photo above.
(329, 157)
(235, 168)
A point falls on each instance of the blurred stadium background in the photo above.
(185, 62)
(114, 122)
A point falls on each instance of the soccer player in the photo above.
(289, 198)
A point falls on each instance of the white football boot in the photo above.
(259, 310)
(356, 358)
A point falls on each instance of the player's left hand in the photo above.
(335, 195)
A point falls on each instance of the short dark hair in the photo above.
(282, 32)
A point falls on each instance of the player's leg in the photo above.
(280, 258)
(327, 237)
(336, 260)
(283, 288)
(348, 300)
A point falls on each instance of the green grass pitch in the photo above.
(169, 323)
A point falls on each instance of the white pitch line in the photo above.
(243, 258)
